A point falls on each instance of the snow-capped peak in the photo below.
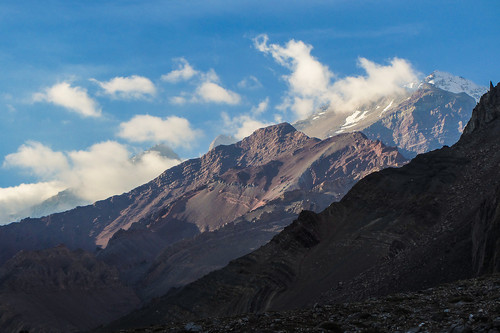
(455, 84)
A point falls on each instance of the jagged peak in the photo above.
(271, 133)
(486, 111)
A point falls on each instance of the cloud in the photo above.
(243, 125)
(106, 169)
(173, 130)
(15, 201)
(38, 159)
(131, 87)
(261, 108)
(312, 84)
(74, 99)
(178, 100)
(212, 92)
(183, 73)
(250, 82)
(208, 86)
(102, 170)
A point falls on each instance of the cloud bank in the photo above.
(102, 170)
(74, 99)
(173, 130)
(312, 84)
(131, 87)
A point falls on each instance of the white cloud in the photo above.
(178, 100)
(131, 87)
(212, 92)
(311, 84)
(243, 125)
(250, 82)
(15, 201)
(183, 73)
(74, 99)
(208, 86)
(40, 160)
(261, 108)
(173, 130)
(103, 170)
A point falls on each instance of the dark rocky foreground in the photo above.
(464, 306)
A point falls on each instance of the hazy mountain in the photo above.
(69, 198)
(433, 220)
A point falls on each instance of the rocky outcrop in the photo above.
(431, 221)
(487, 110)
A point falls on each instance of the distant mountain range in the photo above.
(431, 221)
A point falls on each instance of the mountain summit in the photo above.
(455, 84)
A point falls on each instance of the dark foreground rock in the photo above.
(464, 306)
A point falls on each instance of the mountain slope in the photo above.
(58, 290)
(431, 221)
(264, 197)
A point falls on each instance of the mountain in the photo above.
(58, 290)
(455, 84)
(204, 212)
(267, 179)
(416, 121)
(434, 220)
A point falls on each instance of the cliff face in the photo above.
(431, 221)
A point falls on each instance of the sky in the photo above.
(86, 85)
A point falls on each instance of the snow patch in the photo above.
(353, 119)
(386, 108)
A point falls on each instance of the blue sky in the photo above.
(76, 74)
